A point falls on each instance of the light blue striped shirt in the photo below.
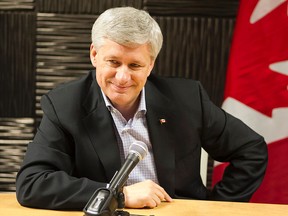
(134, 130)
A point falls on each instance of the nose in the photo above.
(122, 75)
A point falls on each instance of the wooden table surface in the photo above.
(10, 207)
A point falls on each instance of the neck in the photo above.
(128, 111)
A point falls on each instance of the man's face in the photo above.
(121, 71)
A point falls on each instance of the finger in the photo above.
(157, 199)
(167, 197)
(160, 195)
(152, 202)
(163, 195)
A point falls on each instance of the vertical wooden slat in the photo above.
(196, 48)
(17, 64)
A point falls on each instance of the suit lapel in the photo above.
(99, 125)
(160, 118)
(160, 115)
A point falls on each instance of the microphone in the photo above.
(137, 151)
(105, 200)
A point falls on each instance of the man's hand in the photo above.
(144, 194)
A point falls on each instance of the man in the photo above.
(89, 124)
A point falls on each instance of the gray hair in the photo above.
(127, 26)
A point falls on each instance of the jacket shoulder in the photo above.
(68, 97)
(174, 85)
(78, 87)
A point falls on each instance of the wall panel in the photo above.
(63, 44)
(15, 134)
(83, 6)
(196, 47)
(17, 77)
(20, 5)
(209, 8)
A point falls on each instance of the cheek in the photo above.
(141, 79)
(100, 74)
(104, 74)
(146, 74)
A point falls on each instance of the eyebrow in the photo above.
(116, 58)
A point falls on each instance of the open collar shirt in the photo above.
(135, 129)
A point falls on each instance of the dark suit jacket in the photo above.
(75, 150)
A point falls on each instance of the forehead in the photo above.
(111, 48)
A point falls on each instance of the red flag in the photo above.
(257, 87)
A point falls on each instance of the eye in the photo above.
(135, 65)
(113, 63)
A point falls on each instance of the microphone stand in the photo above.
(105, 201)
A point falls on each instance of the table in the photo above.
(10, 207)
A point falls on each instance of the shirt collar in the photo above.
(142, 103)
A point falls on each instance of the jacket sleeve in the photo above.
(45, 178)
(227, 139)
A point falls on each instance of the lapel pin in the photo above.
(162, 121)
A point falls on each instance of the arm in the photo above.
(227, 139)
(46, 179)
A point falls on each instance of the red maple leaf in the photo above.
(255, 47)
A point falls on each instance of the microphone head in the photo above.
(139, 148)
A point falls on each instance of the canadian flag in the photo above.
(256, 88)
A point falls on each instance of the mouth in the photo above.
(120, 88)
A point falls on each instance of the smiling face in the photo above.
(122, 72)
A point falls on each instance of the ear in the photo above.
(93, 54)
